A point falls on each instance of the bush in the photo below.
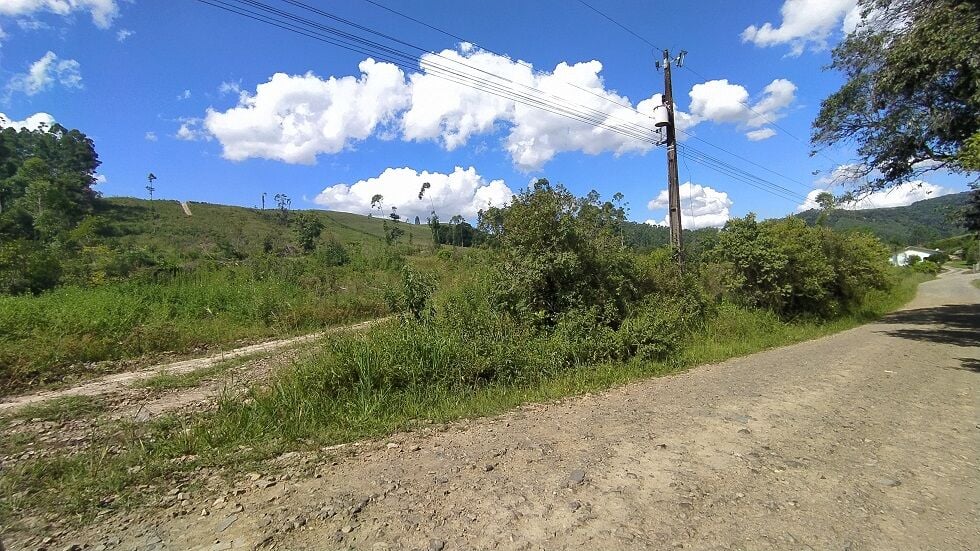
(27, 267)
(559, 253)
(795, 270)
(414, 296)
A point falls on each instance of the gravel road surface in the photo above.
(865, 440)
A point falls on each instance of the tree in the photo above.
(826, 202)
(560, 253)
(149, 186)
(308, 229)
(417, 221)
(434, 226)
(454, 223)
(282, 207)
(912, 93)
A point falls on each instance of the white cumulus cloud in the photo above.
(44, 73)
(896, 196)
(760, 134)
(123, 34)
(806, 23)
(701, 207)
(102, 11)
(150, 136)
(293, 118)
(462, 192)
(32, 122)
(191, 130)
(720, 101)
(452, 113)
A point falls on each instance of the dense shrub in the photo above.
(560, 253)
(793, 270)
(27, 267)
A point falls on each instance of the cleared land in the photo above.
(868, 439)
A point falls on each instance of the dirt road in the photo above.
(865, 440)
(115, 382)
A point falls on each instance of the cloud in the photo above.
(102, 11)
(124, 34)
(805, 23)
(452, 113)
(701, 207)
(843, 175)
(719, 101)
(33, 122)
(186, 94)
(230, 87)
(150, 136)
(462, 192)
(295, 118)
(44, 73)
(191, 130)
(761, 134)
(101, 179)
(897, 196)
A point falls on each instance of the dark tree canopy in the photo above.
(46, 180)
(912, 96)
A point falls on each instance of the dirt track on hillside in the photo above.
(117, 382)
(865, 440)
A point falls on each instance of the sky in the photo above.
(224, 109)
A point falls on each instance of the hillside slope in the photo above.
(163, 224)
(916, 224)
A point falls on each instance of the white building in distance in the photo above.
(901, 258)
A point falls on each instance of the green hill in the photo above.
(217, 230)
(920, 223)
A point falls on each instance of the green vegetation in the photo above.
(173, 381)
(920, 223)
(502, 328)
(56, 334)
(62, 409)
(911, 93)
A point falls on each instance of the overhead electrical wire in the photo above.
(701, 76)
(534, 97)
(605, 98)
(414, 62)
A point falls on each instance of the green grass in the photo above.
(300, 409)
(61, 333)
(163, 224)
(175, 381)
(206, 283)
(61, 409)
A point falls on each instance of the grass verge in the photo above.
(290, 414)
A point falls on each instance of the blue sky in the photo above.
(188, 92)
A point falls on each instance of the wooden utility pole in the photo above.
(673, 184)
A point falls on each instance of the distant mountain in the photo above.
(917, 224)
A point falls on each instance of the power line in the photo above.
(686, 66)
(771, 122)
(411, 63)
(618, 24)
(351, 42)
(626, 106)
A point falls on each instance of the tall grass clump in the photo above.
(56, 334)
